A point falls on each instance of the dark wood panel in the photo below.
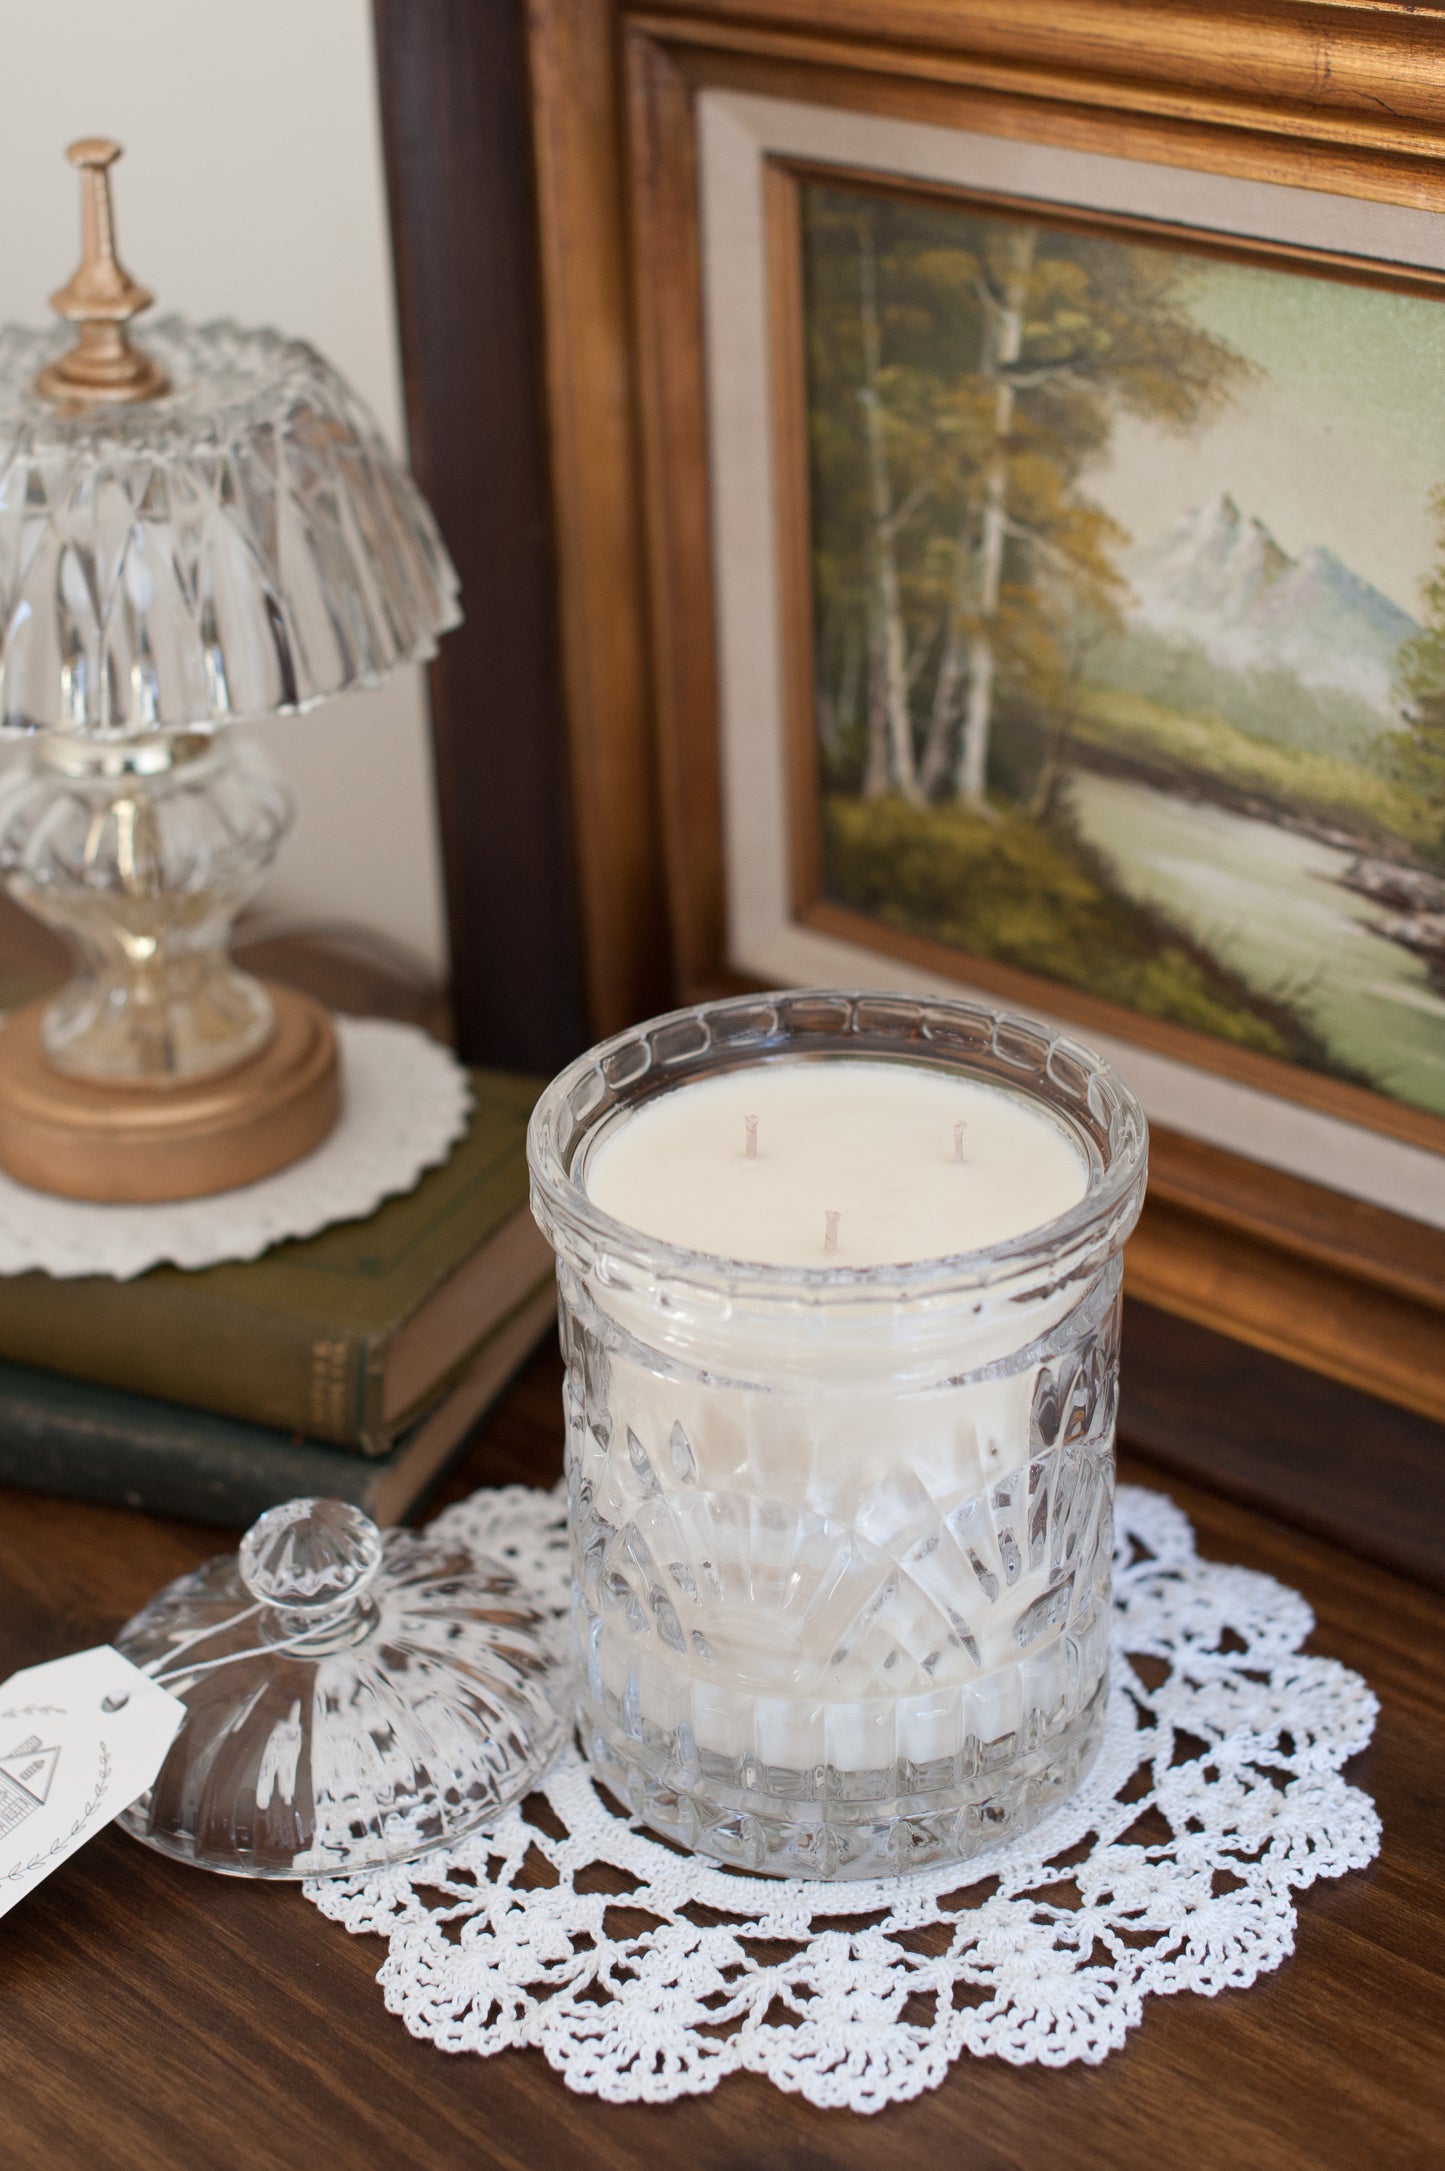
(1285, 1440)
(592, 408)
(160, 2020)
(454, 107)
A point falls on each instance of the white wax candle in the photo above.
(914, 1163)
(826, 1530)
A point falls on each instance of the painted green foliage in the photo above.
(964, 371)
(1017, 759)
(1420, 751)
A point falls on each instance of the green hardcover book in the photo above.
(347, 1336)
(66, 1436)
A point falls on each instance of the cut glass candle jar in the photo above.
(841, 1534)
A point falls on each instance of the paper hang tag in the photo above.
(80, 1738)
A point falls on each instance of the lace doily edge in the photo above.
(336, 1203)
(599, 2051)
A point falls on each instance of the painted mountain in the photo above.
(1221, 611)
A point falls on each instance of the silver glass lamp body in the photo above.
(207, 530)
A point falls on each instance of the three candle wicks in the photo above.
(832, 1222)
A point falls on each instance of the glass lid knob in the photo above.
(310, 1556)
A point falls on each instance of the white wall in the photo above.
(252, 187)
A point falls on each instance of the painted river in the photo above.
(1266, 903)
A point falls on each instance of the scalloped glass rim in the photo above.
(246, 546)
(1088, 1093)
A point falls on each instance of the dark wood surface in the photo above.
(455, 120)
(156, 2017)
(1286, 1440)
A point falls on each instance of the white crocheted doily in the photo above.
(405, 1101)
(644, 1974)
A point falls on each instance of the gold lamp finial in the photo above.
(100, 299)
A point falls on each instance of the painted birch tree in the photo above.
(966, 371)
(874, 430)
(890, 729)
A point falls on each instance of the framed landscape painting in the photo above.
(1126, 581)
(1080, 584)
(1015, 501)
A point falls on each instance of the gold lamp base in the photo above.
(136, 1144)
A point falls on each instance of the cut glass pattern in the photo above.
(804, 1686)
(352, 1697)
(242, 547)
(841, 1533)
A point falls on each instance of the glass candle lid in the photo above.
(352, 1697)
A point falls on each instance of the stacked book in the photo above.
(352, 1364)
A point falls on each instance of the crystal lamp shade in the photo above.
(243, 546)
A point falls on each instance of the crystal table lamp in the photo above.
(202, 531)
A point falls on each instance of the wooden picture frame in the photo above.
(456, 132)
(1335, 1282)
(808, 901)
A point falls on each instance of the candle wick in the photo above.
(750, 1127)
(958, 1131)
(830, 1232)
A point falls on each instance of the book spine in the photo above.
(62, 1437)
(196, 1345)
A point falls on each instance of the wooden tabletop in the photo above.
(157, 2017)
